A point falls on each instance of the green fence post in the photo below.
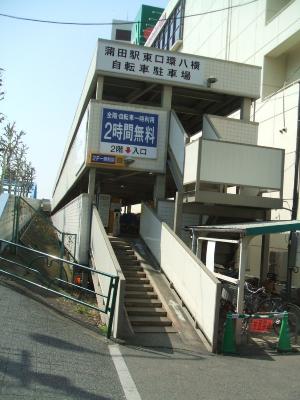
(229, 346)
(13, 239)
(62, 252)
(284, 342)
(18, 218)
(113, 304)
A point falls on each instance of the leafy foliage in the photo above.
(17, 174)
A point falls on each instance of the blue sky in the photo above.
(45, 68)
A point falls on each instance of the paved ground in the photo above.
(46, 355)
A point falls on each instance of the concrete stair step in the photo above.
(154, 329)
(125, 262)
(122, 245)
(146, 311)
(123, 252)
(137, 280)
(130, 257)
(132, 295)
(138, 288)
(134, 274)
(150, 321)
(149, 303)
(132, 268)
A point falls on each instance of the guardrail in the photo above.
(110, 296)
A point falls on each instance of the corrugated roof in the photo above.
(251, 228)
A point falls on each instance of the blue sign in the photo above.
(129, 133)
(99, 158)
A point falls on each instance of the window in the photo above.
(275, 7)
(172, 30)
(122, 34)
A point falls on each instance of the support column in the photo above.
(99, 89)
(166, 101)
(265, 252)
(87, 224)
(246, 109)
(159, 192)
(92, 183)
(243, 255)
(178, 213)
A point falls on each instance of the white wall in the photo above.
(190, 162)
(75, 159)
(238, 164)
(74, 218)
(177, 140)
(104, 260)
(196, 285)
(231, 130)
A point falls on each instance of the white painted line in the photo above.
(176, 309)
(128, 385)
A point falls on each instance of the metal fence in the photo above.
(109, 298)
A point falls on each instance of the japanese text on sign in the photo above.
(151, 63)
(129, 133)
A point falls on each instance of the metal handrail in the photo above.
(110, 297)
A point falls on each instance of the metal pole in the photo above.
(113, 304)
(296, 174)
(295, 204)
(62, 253)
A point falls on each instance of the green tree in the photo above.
(16, 173)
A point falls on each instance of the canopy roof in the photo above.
(249, 228)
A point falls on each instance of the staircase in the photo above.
(144, 309)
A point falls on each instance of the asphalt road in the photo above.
(45, 355)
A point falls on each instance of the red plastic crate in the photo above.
(260, 325)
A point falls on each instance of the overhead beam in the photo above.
(137, 94)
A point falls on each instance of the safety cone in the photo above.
(229, 346)
(284, 343)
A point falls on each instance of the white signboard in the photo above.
(129, 133)
(150, 63)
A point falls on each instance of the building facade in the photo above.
(264, 33)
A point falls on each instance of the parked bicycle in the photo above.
(261, 301)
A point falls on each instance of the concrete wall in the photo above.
(73, 164)
(195, 284)
(104, 260)
(6, 216)
(7, 203)
(74, 218)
